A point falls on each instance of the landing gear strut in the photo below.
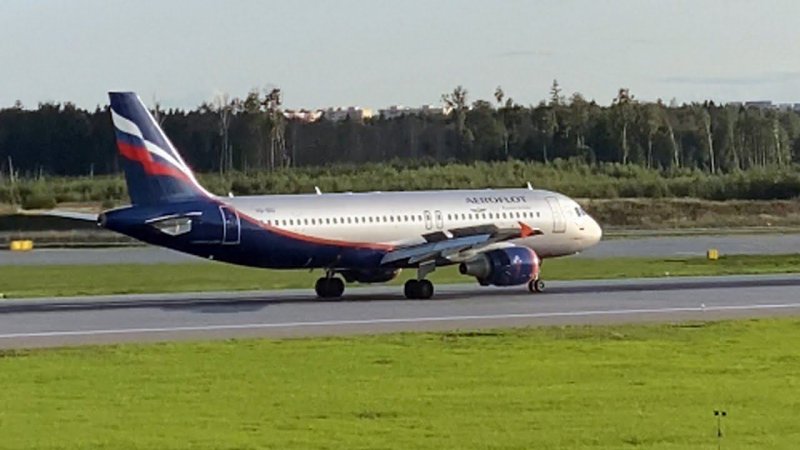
(418, 289)
(536, 285)
(329, 287)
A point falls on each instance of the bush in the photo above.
(39, 200)
(571, 177)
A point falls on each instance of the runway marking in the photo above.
(330, 323)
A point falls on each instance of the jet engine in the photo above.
(370, 276)
(504, 267)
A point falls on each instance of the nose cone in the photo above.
(592, 232)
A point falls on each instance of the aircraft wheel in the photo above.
(425, 289)
(418, 289)
(410, 289)
(536, 285)
(329, 287)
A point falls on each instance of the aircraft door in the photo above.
(231, 226)
(559, 222)
(439, 220)
(428, 220)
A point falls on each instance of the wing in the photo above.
(456, 244)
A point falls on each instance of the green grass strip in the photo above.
(39, 281)
(604, 387)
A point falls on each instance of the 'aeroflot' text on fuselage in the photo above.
(509, 199)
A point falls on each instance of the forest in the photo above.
(251, 134)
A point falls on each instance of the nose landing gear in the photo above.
(536, 285)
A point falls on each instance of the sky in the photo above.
(376, 53)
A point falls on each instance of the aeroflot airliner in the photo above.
(499, 237)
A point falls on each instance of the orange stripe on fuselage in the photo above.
(313, 239)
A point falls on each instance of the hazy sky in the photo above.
(377, 53)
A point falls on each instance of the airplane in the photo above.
(499, 237)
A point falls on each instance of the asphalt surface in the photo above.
(675, 246)
(111, 319)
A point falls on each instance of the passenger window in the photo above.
(405, 218)
(537, 214)
(334, 221)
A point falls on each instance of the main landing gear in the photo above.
(329, 287)
(420, 288)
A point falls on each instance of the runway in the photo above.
(146, 318)
(669, 246)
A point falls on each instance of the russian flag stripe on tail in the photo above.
(154, 170)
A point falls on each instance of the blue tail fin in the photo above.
(154, 170)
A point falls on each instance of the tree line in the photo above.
(251, 133)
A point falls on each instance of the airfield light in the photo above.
(719, 414)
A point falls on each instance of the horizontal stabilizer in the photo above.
(74, 215)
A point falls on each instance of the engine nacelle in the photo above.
(504, 267)
(370, 276)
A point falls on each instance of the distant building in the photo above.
(303, 115)
(767, 104)
(352, 113)
(396, 111)
(760, 104)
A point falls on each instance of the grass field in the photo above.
(615, 387)
(38, 281)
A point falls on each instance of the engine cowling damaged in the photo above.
(504, 267)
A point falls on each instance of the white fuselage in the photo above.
(403, 218)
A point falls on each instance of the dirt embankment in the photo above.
(617, 216)
(643, 213)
